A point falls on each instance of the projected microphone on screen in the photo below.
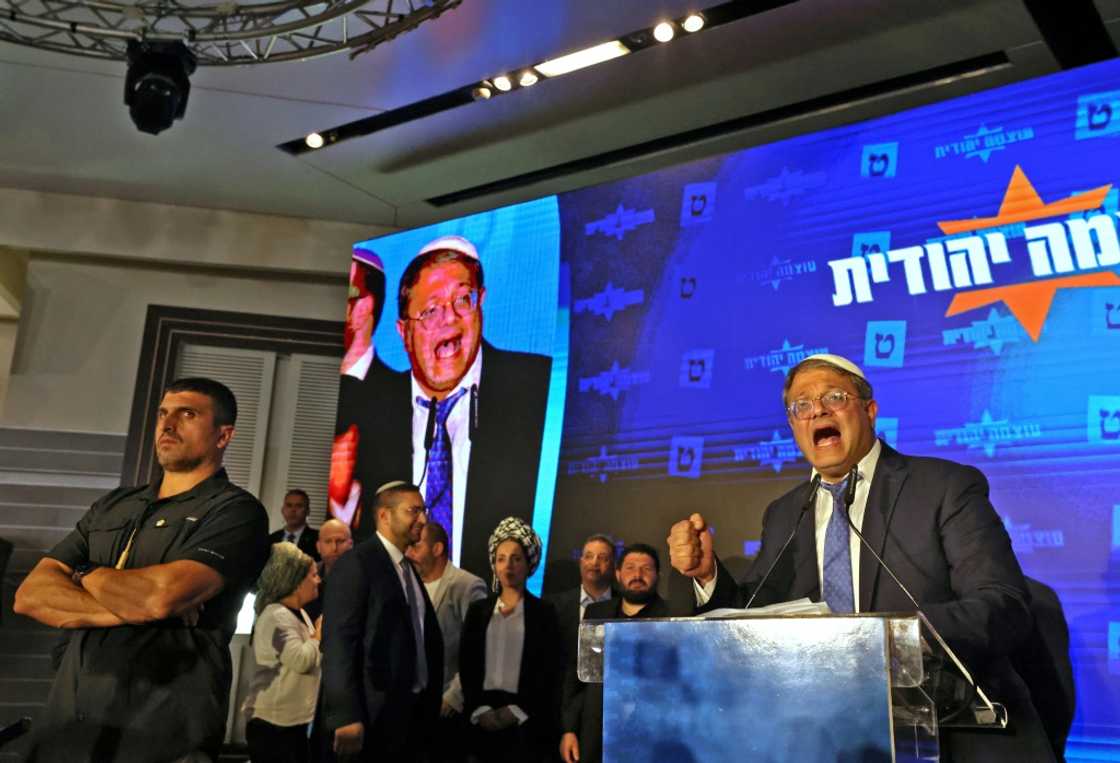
(938, 539)
(466, 423)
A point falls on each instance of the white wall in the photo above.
(93, 267)
(76, 355)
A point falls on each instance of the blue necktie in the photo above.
(437, 492)
(838, 554)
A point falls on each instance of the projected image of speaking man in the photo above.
(470, 428)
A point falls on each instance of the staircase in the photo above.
(47, 481)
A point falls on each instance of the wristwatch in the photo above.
(81, 570)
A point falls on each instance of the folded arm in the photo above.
(50, 595)
(147, 594)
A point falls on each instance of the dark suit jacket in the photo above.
(582, 704)
(932, 522)
(369, 654)
(505, 449)
(307, 541)
(538, 687)
(567, 612)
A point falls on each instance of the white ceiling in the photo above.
(65, 127)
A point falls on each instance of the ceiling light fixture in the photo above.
(581, 59)
(693, 23)
(503, 83)
(528, 78)
(664, 31)
(481, 92)
(314, 140)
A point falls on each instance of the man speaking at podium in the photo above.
(929, 519)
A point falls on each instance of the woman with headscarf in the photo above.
(509, 658)
(284, 684)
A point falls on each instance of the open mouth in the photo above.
(826, 436)
(448, 348)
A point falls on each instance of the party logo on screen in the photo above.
(1098, 115)
(987, 434)
(884, 344)
(886, 429)
(781, 360)
(604, 464)
(685, 456)
(786, 185)
(992, 333)
(696, 368)
(773, 453)
(871, 242)
(619, 222)
(614, 381)
(879, 160)
(1106, 313)
(1025, 539)
(1110, 206)
(1104, 420)
(983, 143)
(969, 259)
(698, 204)
(780, 271)
(609, 301)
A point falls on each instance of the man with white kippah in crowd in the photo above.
(929, 519)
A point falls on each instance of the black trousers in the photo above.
(269, 743)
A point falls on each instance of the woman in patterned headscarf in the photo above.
(509, 660)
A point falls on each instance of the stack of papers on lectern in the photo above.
(795, 607)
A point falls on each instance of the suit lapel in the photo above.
(806, 574)
(890, 474)
(388, 568)
(446, 582)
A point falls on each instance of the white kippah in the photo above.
(453, 243)
(839, 361)
(390, 486)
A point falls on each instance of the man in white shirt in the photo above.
(451, 590)
(596, 578)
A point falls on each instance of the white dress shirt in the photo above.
(586, 600)
(822, 514)
(458, 428)
(505, 643)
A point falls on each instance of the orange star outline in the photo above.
(1029, 302)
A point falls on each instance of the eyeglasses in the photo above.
(462, 305)
(832, 401)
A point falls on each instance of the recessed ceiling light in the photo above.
(503, 83)
(481, 93)
(597, 54)
(664, 32)
(694, 23)
(528, 78)
(314, 140)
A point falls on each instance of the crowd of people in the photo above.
(386, 650)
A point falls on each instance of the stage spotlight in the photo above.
(158, 83)
(528, 78)
(481, 92)
(314, 140)
(664, 32)
(503, 83)
(694, 23)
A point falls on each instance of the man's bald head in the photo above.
(334, 541)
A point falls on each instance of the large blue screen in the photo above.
(965, 254)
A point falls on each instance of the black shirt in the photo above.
(157, 690)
